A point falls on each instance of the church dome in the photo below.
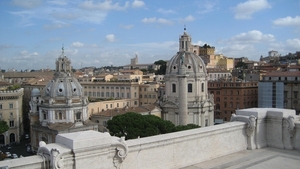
(63, 85)
(186, 59)
(192, 63)
(35, 92)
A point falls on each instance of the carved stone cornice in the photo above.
(250, 120)
(121, 152)
(290, 126)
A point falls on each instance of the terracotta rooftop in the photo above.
(140, 109)
(283, 74)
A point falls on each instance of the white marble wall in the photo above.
(274, 128)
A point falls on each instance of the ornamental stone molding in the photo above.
(289, 125)
(251, 125)
(121, 152)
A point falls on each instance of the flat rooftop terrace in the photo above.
(264, 158)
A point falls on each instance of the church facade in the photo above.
(60, 108)
(186, 99)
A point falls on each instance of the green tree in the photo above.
(3, 126)
(14, 87)
(186, 127)
(162, 68)
(133, 125)
(241, 65)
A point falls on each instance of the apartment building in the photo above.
(11, 112)
(232, 95)
(148, 93)
(280, 89)
(217, 73)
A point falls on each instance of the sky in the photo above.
(111, 32)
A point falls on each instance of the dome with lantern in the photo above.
(63, 85)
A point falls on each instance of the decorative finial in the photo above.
(184, 28)
(62, 48)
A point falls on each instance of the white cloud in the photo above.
(287, 21)
(110, 38)
(107, 5)
(246, 9)
(126, 26)
(138, 4)
(27, 3)
(189, 18)
(293, 43)
(58, 2)
(77, 44)
(206, 6)
(165, 11)
(56, 26)
(155, 20)
(253, 36)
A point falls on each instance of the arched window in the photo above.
(2, 139)
(218, 106)
(174, 88)
(12, 138)
(60, 115)
(190, 88)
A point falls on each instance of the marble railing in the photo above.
(249, 129)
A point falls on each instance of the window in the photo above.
(78, 116)
(0, 106)
(111, 105)
(202, 87)
(11, 105)
(295, 95)
(117, 104)
(174, 88)
(285, 94)
(190, 88)
(145, 96)
(45, 115)
(11, 114)
(60, 115)
(11, 123)
(134, 94)
(127, 95)
(135, 102)
(141, 96)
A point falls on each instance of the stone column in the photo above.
(183, 107)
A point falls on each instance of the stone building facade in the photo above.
(186, 98)
(280, 90)
(11, 111)
(232, 95)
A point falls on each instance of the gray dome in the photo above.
(35, 92)
(192, 63)
(63, 85)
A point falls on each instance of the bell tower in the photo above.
(63, 64)
(185, 42)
